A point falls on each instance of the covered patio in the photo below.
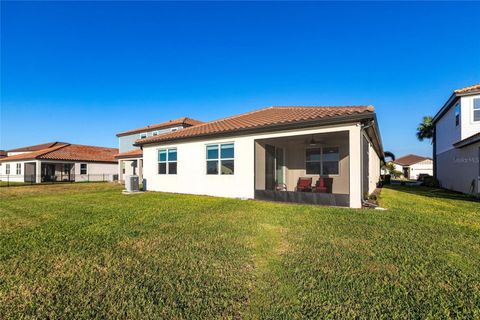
(313, 168)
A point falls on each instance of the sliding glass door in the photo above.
(274, 167)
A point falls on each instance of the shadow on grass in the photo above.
(433, 192)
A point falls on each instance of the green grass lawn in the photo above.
(88, 251)
(12, 183)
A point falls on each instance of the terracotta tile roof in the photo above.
(410, 159)
(38, 147)
(137, 153)
(3, 153)
(262, 118)
(474, 88)
(31, 155)
(185, 121)
(69, 152)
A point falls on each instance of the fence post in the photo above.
(103, 177)
(88, 177)
(8, 180)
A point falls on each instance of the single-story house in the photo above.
(456, 144)
(130, 157)
(318, 155)
(412, 166)
(59, 161)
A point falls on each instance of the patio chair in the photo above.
(320, 186)
(304, 184)
(323, 185)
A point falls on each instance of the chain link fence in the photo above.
(11, 180)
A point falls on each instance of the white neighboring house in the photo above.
(130, 157)
(412, 166)
(456, 145)
(262, 154)
(58, 161)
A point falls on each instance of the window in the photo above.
(143, 135)
(167, 161)
(222, 154)
(457, 114)
(313, 161)
(476, 109)
(155, 133)
(19, 168)
(322, 161)
(83, 168)
(7, 168)
(174, 129)
(330, 160)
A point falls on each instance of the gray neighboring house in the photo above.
(130, 157)
(456, 144)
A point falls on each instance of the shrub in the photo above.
(431, 182)
(422, 176)
(386, 179)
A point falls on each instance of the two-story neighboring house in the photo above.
(130, 158)
(456, 147)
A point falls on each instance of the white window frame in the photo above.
(86, 168)
(7, 168)
(18, 169)
(143, 135)
(475, 109)
(167, 161)
(219, 158)
(155, 133)
(321, 162)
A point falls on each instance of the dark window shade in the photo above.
(162, 168)
(212, 167)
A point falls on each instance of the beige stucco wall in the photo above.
(295, 156)
(259, 166)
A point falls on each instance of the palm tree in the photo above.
(425, 129)
(390, 155)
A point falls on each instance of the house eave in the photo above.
(450, 102)
(444, 109)
(467, 141)
(262, 129)
(357, 118)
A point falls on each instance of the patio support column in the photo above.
(355, 152)
(120, 171)
(38, 171)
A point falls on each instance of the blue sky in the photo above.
(81, 72)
